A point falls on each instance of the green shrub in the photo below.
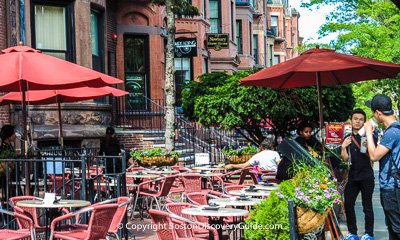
(272, 211)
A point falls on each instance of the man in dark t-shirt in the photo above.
(361, 177)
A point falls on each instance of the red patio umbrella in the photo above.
(321, 67)
(41, 97)
(25, 68)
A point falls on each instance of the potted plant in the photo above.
(239, 155)
(314, 192)
(154, 157)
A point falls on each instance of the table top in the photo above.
(61, 204)
(265, 187)
(208, 168)
(234, 201)
(221, 212)
(259, 193)
(143, 175)
(210, 174)
(170, 171)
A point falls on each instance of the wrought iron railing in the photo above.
(191, 137)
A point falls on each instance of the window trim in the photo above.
(70, 53)
(219, 30)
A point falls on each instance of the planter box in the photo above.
(308, 220)
(234, 159)
(157, 161)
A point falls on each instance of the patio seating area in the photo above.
(73, 197)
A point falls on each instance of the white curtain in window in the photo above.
(182, 66)
(50, 30)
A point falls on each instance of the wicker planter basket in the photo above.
(234, 159)
(158, 161)
(308, 220)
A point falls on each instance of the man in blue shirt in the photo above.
(388, 154)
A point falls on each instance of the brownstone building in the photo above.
(126, 39)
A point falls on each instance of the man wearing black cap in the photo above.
(388, 153)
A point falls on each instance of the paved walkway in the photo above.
(380, 229)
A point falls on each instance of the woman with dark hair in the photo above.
(7, 136)
(110, 146)
(306, 138)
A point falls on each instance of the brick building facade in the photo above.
(126, 39)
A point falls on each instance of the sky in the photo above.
(310, 22)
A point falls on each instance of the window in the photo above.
(276, 59)
(250, 37)
(255, 48)
(96, 28)
(232, 22)
(182, 76)
(205, 65)
(274, 25)
(136, 71)
(204, 9)
(52, 30)
(271, 54)
(239, 36)
(215, 17)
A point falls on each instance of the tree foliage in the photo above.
(217, 99)
(367, 28)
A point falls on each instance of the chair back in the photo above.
(191, 182)
(166, 186)
(233, 187)
(100, 220)
(123, 203)
(198, 198)
(243, 175)
(25, 221)
(176, 208)
(162, 223)
(27, 211)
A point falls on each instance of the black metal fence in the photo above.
(71, 174)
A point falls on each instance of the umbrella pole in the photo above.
(60, 125)
(321, 116)
(25, 144)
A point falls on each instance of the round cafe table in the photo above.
(208, 168)
(164, 171)
(265, 187)
(51, 209)
(143, 175)
(216, 216)
(235, 202)
(259, 193)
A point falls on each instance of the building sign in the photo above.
(185, 47)
(218, 41)
(334, 133)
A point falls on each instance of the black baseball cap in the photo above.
(382, 103)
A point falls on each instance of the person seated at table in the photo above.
(266, 159)
(110, 146)
(306, 138)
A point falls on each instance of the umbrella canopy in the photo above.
(25, 68)
(22, 64)
(321, 67)
(41, 97)
(333, 68)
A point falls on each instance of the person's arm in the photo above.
(236, 166)
(375, 152)
(345, 144)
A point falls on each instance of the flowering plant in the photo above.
(248, 150)
(136, 154)
(315, 188)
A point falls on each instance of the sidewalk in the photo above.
(380, 229)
